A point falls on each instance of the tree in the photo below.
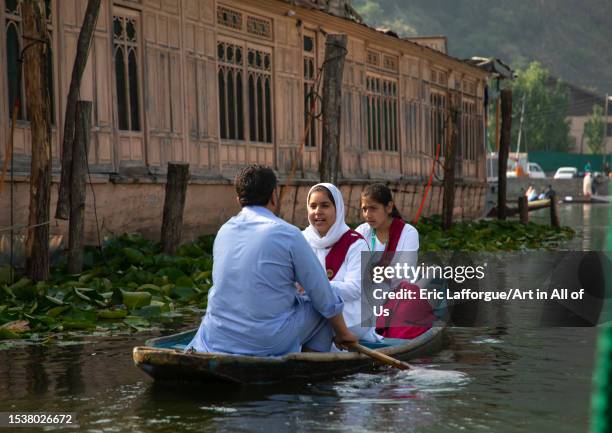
(545, 125)
(80, 61)
(594, 130)
(38, 103)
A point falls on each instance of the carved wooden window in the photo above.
(229, 18)
(14, 45)
(259, 67)
(245, 85)
(126, 59)
(231, 90)
(310, 76)
(390, 63)
(373, 58)
(438, 111)
(382, 114)
(261, 27)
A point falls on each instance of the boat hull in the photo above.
(174, 364)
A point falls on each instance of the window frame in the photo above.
(126, 13)
(14, 18)
(246, 71)
(382, 111)
(312, 139)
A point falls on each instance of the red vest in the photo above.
(395, 233)
(408, 318)
(337, 254)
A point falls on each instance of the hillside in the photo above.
(571, 38)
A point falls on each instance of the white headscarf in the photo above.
(339, 227)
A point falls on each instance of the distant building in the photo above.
(581, 102)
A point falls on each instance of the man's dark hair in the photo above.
(255, 185)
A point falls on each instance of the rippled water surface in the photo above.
(503, 379)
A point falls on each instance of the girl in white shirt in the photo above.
(385, 230)
(338, 248)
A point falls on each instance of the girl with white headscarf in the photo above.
(338, 248)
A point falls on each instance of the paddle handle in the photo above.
(381, 357)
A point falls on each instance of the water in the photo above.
(504, 379)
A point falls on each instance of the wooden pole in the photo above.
(176, 192)
(76, 228)
(504, 147)
(380, 357)
(333, 67)
(37, 99)
(80, 61)
(554, 215)
(523, 207)
(497, 122)
(450, 162)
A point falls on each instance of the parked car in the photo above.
(566, 173)
(535, 171)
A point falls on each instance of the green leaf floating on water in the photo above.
(133, 300)
(151, 288)
(134, 256)
(7, 334)
(136, 322)
(149, 312)
(56, 311)
(23, 289)
(118, 313)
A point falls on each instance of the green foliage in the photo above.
(489, 235)
(545, 125)
(129, 284)
(594, 130)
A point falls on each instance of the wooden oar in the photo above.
(380, 357)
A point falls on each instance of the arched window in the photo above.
(231, 91)
(14, 44)
(244, 79)
(133, 80)
(122, 104)
(222, 109)
(252, 109)
(13, 49)
(127, 82)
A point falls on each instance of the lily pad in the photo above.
(133, 300)
(118, 313)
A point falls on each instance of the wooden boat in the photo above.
(594, 199)
(532, 205)
(165, 359)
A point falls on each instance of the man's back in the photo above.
(252, 304)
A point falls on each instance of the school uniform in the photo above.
(408, 318)
(339, 253)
